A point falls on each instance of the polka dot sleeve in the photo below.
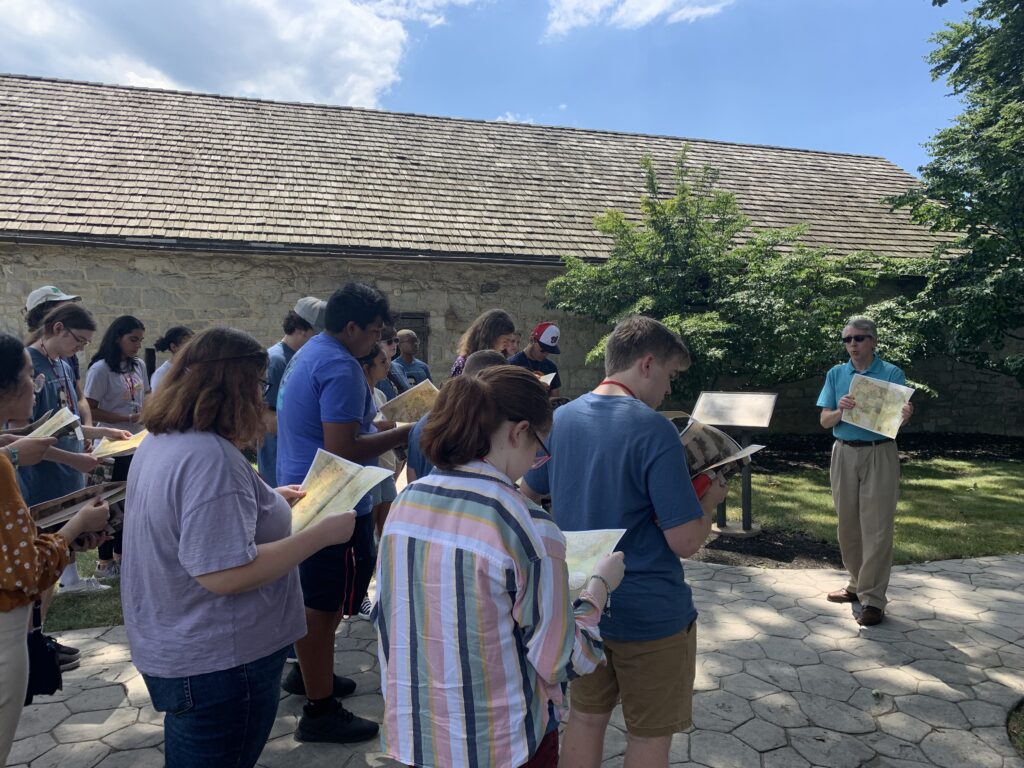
(29, 561)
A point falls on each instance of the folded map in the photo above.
(412, 404)
(584, 550)
(108, 448)
(333, 484)
(63, 422)
(54, 512)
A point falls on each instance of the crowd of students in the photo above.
(478, 631)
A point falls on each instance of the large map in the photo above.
(879, 405)
(412, 404)
(333, 485)
(583, 551)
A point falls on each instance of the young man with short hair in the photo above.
(618, 463)
(411, 368)
(543, 342)
(325, 402)
(300, 325)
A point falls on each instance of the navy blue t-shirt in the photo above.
(323, 383)
(616, 463)
(420, 463)
(543, 367)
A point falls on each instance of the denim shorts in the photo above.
(220, 718)
(336, 578)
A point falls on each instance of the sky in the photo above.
(835, 75)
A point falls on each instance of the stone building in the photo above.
(201, 209)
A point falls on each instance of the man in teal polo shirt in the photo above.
(865, 475)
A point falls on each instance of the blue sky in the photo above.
(839, 75)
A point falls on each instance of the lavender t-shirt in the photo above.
(196, 506)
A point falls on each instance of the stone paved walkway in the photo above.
(785, 680)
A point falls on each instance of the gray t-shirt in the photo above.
(196, 506)
(118, 392)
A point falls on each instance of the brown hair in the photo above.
(485, 358)
(470, 408)
(637, 336)
(213, 386)
(71, 315)
(485, 330)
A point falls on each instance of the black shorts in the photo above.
(336, 578)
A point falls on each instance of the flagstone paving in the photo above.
(785, 679)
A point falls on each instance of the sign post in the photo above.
(747, 411)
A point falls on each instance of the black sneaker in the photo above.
(66, 652)
(294, 684)
(338, 726)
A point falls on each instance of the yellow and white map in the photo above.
(583, 551)
(58, 425)
(333, 484)
(108, 448)
(410, 406)
(879, 405)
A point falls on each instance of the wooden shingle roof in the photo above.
(81, 161)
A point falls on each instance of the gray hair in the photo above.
(862, 323)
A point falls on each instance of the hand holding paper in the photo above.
(333, 484)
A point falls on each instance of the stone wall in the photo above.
(253, 292)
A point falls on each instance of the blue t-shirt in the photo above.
(279, 355)
(837, 385)
(415, 372)
(323, 383)
(48, 479)
(544, 367)
(420, 464)
(401, 381)
(616, 463)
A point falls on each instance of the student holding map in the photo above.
(865, 474)
(211, 593)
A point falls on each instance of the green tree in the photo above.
(762, 311)
(973, 305)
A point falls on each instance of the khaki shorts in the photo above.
(653, 679)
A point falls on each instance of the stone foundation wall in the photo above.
(253, 292)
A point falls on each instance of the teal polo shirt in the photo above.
(837, 384)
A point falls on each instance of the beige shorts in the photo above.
(652, 678)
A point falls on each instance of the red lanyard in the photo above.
(62, 381)
(129, 384)
(620, 385)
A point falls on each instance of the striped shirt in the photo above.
(474, 620)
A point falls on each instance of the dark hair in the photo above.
(212, 387)
(485, 330)
(470, 408)
(70, 315)
(34, 317)
(293, 322)
(12, 362)
(485, 358)
(355, 303)
(110, 351)
(370, 356)
(637, 336)
(172, 338)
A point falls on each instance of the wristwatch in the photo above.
(12, 454)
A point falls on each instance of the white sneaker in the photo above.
(85, 585)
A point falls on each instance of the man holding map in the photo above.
(865, 473)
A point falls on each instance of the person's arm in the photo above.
(274, 559)
(686, 539)
(832, 416)
(101, 414)
(83, 462)
(84, 410)
(96, 433)
(345, 440)
(410, 474)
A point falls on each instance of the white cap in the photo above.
(46, 294)
(312, 310)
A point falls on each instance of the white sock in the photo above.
(70, 575)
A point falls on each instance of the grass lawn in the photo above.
(950, 508)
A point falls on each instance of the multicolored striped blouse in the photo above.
(474, 620)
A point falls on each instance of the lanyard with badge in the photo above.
(130, 386)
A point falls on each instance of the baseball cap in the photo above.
(547, 334)
(45, 294)
(312, 310)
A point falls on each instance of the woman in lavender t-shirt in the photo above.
(210, 587)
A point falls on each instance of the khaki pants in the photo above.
(13, 674)
(865, 487)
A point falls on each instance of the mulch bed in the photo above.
(772, 549)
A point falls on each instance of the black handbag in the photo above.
(44, 678)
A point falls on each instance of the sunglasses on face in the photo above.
(859, 337)
(392, 340)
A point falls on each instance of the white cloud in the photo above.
(566, 15)
(514, 117)
(336, 51)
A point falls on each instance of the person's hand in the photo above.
(115, 434)
(83, 462)
(87, 541)
(907, 412)
(31, 449)
(847, 403)
(384, 425)
(337, 527)
(716, 494)
(612, 568)
(7, 439)
(291, 493)
(93, 517)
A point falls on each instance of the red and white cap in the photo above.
(547, 334)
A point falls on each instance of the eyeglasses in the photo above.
(264, 386)
(38, 383)
(859, 337)
(540, 461)
(81, 340)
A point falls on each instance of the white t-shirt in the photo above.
(158, 374)
(117, 392)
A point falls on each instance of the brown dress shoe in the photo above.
(869, 616)
(842, 596)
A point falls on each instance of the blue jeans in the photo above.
(220, 719)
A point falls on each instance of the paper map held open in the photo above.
(48, 514)
(879, 405)
(108, 448)
(412, 404)
(708, 449)
(333, 484)
(63, 422)
(583, 551)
